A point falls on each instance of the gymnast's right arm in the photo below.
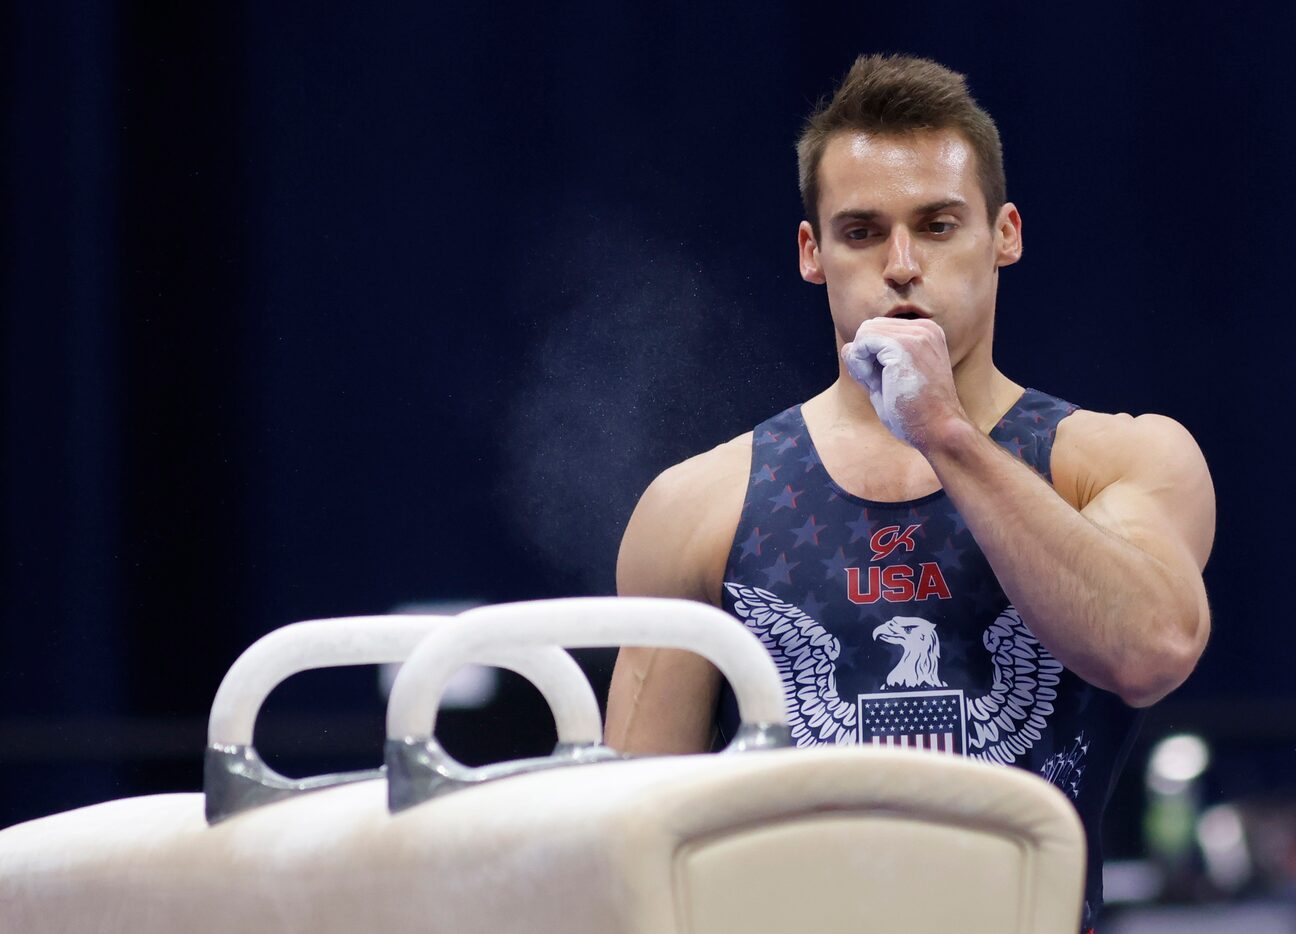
(663, 700)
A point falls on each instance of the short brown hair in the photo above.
(895, 94)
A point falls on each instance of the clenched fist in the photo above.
(904, 364)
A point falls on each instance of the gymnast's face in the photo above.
(903, 231)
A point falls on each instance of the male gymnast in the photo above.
(978, 568)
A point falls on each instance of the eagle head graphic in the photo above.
(919, 665)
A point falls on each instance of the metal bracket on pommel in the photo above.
(418, 768)
(235, 778)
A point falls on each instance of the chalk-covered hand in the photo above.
(904, 364)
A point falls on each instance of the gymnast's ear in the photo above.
(1008, 235)
(808, 252)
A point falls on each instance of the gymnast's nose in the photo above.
(902, 266)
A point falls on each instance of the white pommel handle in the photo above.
(586, 622)
(374, 640)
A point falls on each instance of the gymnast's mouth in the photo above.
(907, 312)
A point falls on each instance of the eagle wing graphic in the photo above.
(1002, 724)
(804, 652)
(1010, 718)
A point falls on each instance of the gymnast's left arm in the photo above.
(1112, 588)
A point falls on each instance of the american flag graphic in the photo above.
(914, 720)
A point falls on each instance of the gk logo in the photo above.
(888, 539)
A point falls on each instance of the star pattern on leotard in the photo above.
(808, 533)
(957, 647)
(960, 526)
(780, 572)
(1014, 446)
(861, 527)
(949, 556)
(836, 565)
(785, 500)
(812, 607)
(753, 544)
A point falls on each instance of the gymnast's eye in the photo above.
(861, 233)
(941, 227)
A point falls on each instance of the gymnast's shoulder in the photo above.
(1103, 461)
(680, 533)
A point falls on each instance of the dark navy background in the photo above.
(314, 312)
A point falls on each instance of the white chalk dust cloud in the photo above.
(635, 362)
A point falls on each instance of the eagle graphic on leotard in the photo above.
(1003, 723)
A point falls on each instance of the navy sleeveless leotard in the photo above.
(889, 627)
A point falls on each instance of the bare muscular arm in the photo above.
(1113, 590)
(676, 544)
(1111, 586)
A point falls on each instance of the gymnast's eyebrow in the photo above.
(850, 214)
(935, 207)
(931, 207)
